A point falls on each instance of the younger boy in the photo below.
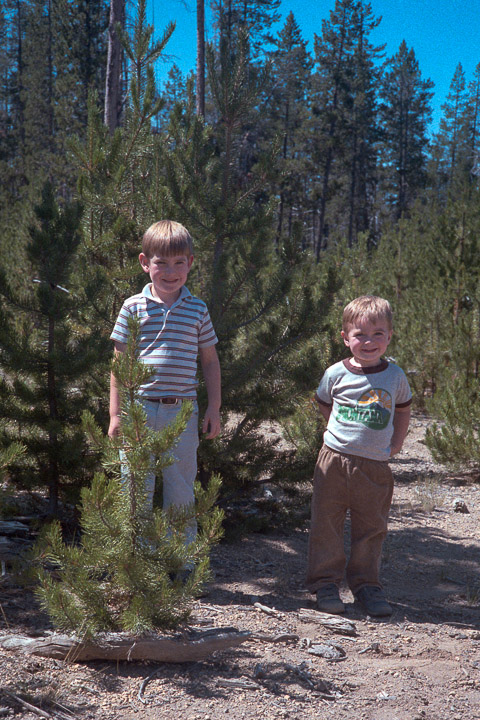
(366, 402)
(175, 328)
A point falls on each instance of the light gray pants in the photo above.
(178, 478)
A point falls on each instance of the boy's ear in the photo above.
(345, 336)
(190, 261)
(144, 262)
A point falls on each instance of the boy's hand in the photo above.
(114, 427)
(211, 423)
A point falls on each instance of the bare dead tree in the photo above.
(200, 92)
(114, 66)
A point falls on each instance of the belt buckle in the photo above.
(169, 401)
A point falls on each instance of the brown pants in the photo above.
(365, 487)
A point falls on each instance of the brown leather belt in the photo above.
(165, 400)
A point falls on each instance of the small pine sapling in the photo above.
(132, 569)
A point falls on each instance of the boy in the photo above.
(175, 328)
(366, 402)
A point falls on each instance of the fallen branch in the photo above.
(144, 685)
(238, 684)
(331, 622)
(171, 649)
(374, 647)
(281, 637)
(27, 705)
(302, 673)
(267, 610)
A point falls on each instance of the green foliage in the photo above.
(456, 441)
(8, 456)
(47, 360)
(127, 571)
(304, 430)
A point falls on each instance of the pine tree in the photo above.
(175, 90)
(265, 305)
(455, 441)
(450, 149)
(80, 52)
(12, 139)
(54, 54)
(473, 126)
(362, 123)
(405, 112)
(118, 180)
(344, 121)
(8, 456)
(250, 19)
(46, 357)
(126, 572)
(267, 309)
(285, 114)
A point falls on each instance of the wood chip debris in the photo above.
(38, 711)
(302, 673)
(267, 610)
(330, 651)
(331, 622)
(238, 684)
(385, 696)
(374, 647)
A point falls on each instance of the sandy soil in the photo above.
(422, 663)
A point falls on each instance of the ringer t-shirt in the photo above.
(169, 340)
(363, 402)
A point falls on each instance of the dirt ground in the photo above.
(423, 663)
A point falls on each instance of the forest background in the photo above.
(306, 179)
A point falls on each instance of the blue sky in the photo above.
(442, 33)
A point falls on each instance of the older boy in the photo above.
(366, 402)
(175, 328)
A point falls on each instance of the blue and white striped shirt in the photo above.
(169, 340)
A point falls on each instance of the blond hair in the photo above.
(368, 308)
(167, 238)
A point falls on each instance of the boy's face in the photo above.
(168, 274)
(367, 341)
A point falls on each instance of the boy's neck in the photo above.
(167, 299)
(364, 363)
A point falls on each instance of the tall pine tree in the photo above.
(405, 112)
(47, 358)
(285, 113)
(344, 121)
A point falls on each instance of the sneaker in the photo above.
(373, 601)
(328, 600)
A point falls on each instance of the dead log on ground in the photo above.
(158, 648)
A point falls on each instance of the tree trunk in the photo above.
(114, 66)
(20, 70)
(200, 94)
(53, 471)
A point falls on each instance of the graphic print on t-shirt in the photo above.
(373, 410)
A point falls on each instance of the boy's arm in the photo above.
(211, 373)
(401, 420)
(114, 427)
(324, 409)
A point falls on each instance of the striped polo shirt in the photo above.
(169, 340)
